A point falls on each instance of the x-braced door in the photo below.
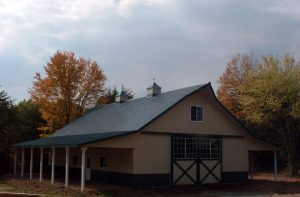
(196, 159)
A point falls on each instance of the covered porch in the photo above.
(71, 157)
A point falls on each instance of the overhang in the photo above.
(70, 140)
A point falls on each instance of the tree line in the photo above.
(70, 86)
(262, 92)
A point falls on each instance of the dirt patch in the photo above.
(12, 194)
(262, 185)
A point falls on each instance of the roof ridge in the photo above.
(134, 99)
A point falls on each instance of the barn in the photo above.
(180, 137)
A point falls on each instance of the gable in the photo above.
(127, 116)
(217, 121)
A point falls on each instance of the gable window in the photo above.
(103, 162)
(75, 160)
(197, 113)
(184, 148)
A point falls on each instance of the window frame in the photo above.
(103, 162)
(200, 106)
(210, 139)
(186, 154)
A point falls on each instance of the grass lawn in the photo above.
(262, 185)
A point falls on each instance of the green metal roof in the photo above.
(70, 141)
(130, 115)
(114, 119)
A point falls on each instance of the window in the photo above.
(184, 148)
(75, 160)
(103, 162)
(196, 113)
(210, 148)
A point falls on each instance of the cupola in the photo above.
(122, 97)
(153, 90)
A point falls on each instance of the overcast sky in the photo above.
(179, 43)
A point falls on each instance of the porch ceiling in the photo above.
(70, 140)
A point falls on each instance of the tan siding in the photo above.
(118, 160)
(235, 152)
(178, 119)
(152, 156)
(151, 152)
(235, 155)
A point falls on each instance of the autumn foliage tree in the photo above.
(265, 94)
(228, 92)
(71, 85)
(271, 99)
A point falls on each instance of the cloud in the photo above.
(285, 8)
(180, 43)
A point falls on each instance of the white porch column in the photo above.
(275, 165)
(251, 165)
(53, 165)
(83, 151)
(15, 162)
(31, 163)
(23, 162)
(67, 167)
(41, 165)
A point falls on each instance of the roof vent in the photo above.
(122, 97)
(154, 90)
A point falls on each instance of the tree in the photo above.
(29, 120)
(8, 120)
(271, 98)
(110, 95)
(71, 86)
(228, 92)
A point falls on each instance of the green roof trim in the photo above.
(71, 140)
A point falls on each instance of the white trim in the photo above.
(52, 165)
(67, 166)
(23, 162)
(275, 165)
(31, 163)
(41, 163)
(15, 162)
(83, 168)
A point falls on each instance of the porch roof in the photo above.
(70, 140)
